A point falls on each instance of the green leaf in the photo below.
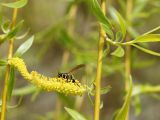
(24, 90)
(122, 5)
(24, 47)
(145, 89)
(107, 50)
(107, 30)
(146, 38)
(99, 14)
(35, 94)
(74, 114)
(16, 105)
(101, 105)
(101, 17)
(3, 62)
(90, 99)
(137, 105)
(2, 38)
(17, 4)
(12, 106)
(12, 33)
(65, 99)
(103, 90)
(152, 30)
(123, 112)
(119, 19)
(23, 35)
(5, 26)
(11, 82)
(146, 50)
(15, 30)
(139, 6)
(119, 52)
(119, 36)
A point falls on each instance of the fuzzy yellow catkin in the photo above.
(46, 83)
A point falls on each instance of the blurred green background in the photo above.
(66, 34)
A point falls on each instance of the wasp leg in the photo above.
(72, 78)
(67, 77)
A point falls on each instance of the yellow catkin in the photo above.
(47, 83)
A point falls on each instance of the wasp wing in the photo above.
(76, 68)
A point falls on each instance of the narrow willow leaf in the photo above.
(137, 105)
(101, 105)
(2, 38)
(75, 115)
(11, 82)
(146, 38)
(123, 112)
(105, 90)
(106, 51)
(139, 6)
(145, 89)
(24, 47)
(5, 26)
(121, 22)
(23, 35)
(15, 30)
(153, 30)
(107, 26)
(3, 62)
(24, 90)
(119, 36)
(108, 31)
(35, 94)
(12, 106)
(99, 14)
(119, 52)
(122, 5)
(146, 50)
(17, 105)
(90, 99)
(17, 4)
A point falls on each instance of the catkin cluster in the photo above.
(47, 83)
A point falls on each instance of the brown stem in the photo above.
(99, 67)
(10, 52)
(128, 49)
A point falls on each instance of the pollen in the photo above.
(48, 83)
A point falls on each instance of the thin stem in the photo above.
(127, 64)
(99, 67)
(146, 90)
(128, 49)
(118, 43)
(10, 52)
(153, 30)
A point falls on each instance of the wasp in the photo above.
(69, 76)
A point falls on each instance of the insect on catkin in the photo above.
(47, 83)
